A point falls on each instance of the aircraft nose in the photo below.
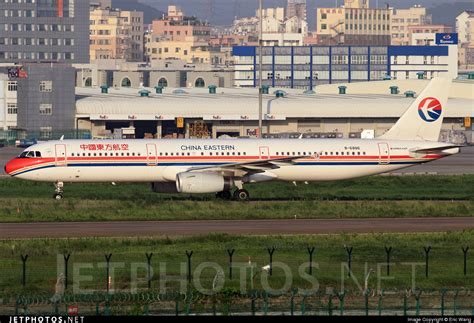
(10, 167)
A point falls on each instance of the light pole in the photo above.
(260, 65)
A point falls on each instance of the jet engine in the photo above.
(202, 183)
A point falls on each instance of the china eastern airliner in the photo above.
(224, 167)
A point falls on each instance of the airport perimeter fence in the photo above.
(280, 279)
(327, 303)
(11, 137)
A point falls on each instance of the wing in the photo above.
(253, 167)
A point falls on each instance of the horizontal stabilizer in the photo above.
(434, 150)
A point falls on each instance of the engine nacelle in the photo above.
(202, 183)
(169, 187)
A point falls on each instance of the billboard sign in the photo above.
(446, 39)
(17, 73)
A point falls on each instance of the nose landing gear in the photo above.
(59, 191)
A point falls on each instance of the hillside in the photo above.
(150, 12)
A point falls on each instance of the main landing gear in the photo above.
(239, 195)
(59, 191)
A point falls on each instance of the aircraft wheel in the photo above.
(225, 195)
(241, 195)
(58, 197)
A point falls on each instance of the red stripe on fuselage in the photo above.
(18, 164)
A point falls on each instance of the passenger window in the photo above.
(72, 154)
(238, 153)
(210, 154)
(202, 154)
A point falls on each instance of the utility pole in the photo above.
(260, 66)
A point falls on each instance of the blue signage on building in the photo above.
(447, 39)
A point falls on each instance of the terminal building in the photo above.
(196, 113)
(309, 66)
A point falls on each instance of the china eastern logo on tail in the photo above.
(430, 109)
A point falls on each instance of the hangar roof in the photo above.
(242, 104)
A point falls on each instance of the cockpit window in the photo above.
(30, 154)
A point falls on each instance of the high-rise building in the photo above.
(353, 24)
(44, 31)
(465, 30)
(402, 19)
(296, 8)
(40, 39)
(179, 37)
(116, 34)
(465, 27)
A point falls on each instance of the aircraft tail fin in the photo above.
(424, 117)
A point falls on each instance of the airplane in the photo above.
(223, 167)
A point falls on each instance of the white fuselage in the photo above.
(161, 160)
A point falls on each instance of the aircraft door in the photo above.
(152, 156)
(264, 152)
(384, 154)
(61, 158)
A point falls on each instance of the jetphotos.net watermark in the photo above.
(46, 319)
(210, 277)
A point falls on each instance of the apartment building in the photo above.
(353, 24)
(402, 19)
(116, 34)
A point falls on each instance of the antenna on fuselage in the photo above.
(62, 138)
